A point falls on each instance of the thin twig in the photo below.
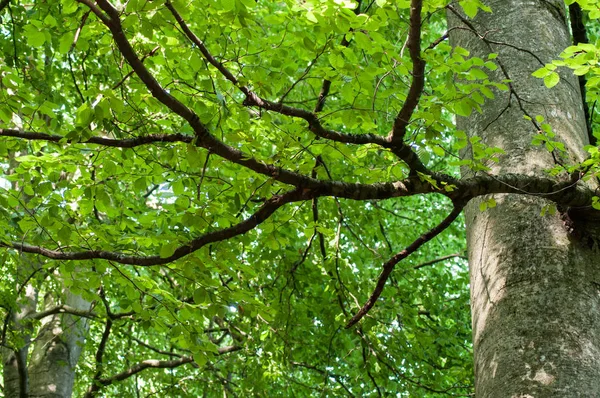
(388, 267)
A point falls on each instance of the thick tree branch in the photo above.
(418, 75)
(110, 142)
(261, 215)
(388, 267)
(203, 137)
(401, 150)
(567, 194)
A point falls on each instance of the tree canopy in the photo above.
(252, 197)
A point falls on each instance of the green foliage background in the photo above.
(281, 293)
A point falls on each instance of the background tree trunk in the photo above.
(56, 350)
(534, 288)
(50, 370)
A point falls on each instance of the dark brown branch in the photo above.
(203, 137)
(156, 364)
(149, 363)
(315, 212)
(388, 267)
(439, 40)
(157, 350)
(98, 12)
(116, 143)
(96, 384)
(261, 215)
(324, 92)
(337, 378)
(418, 75)
(404, 152)
(567, 194)
(113, 23)
(128, 75)
(4, 4)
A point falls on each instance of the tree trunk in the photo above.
(56, 351)
(50, 371)
(534, 287)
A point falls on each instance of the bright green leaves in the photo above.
(582, 59)
(468, 82)
(487, 204)
(35, 36)
(266, 290)
(548, 73)
(471, 7)
(168, 249)
(592, 7)
(545, 137)
(482, 154)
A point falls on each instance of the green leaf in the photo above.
(487, 92)
(551, 80)
(542, 72)
(201, 296)
(483, 206)
(200, 359)
(168, 249)
(463, 107)
(478, 74)
(35, 37)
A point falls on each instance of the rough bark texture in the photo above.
(56, 351)
(50, 370)
(534, 287)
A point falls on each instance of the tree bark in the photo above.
(56, 351)
(534, 286)
(50, 370)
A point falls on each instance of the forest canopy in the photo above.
(239, 197)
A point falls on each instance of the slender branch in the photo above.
(149, 363)
(337, 378)
(96, 384)
(388, 267)
(157, 364)
(128, 75)
(203, 137)
(62, 309)
(157, 350)
(418, 75)
(113, 23)
(96, 10)
(401, 150)
(229, 153)
(261, 215)
(324, 92)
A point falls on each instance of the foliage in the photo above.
(149, 153)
